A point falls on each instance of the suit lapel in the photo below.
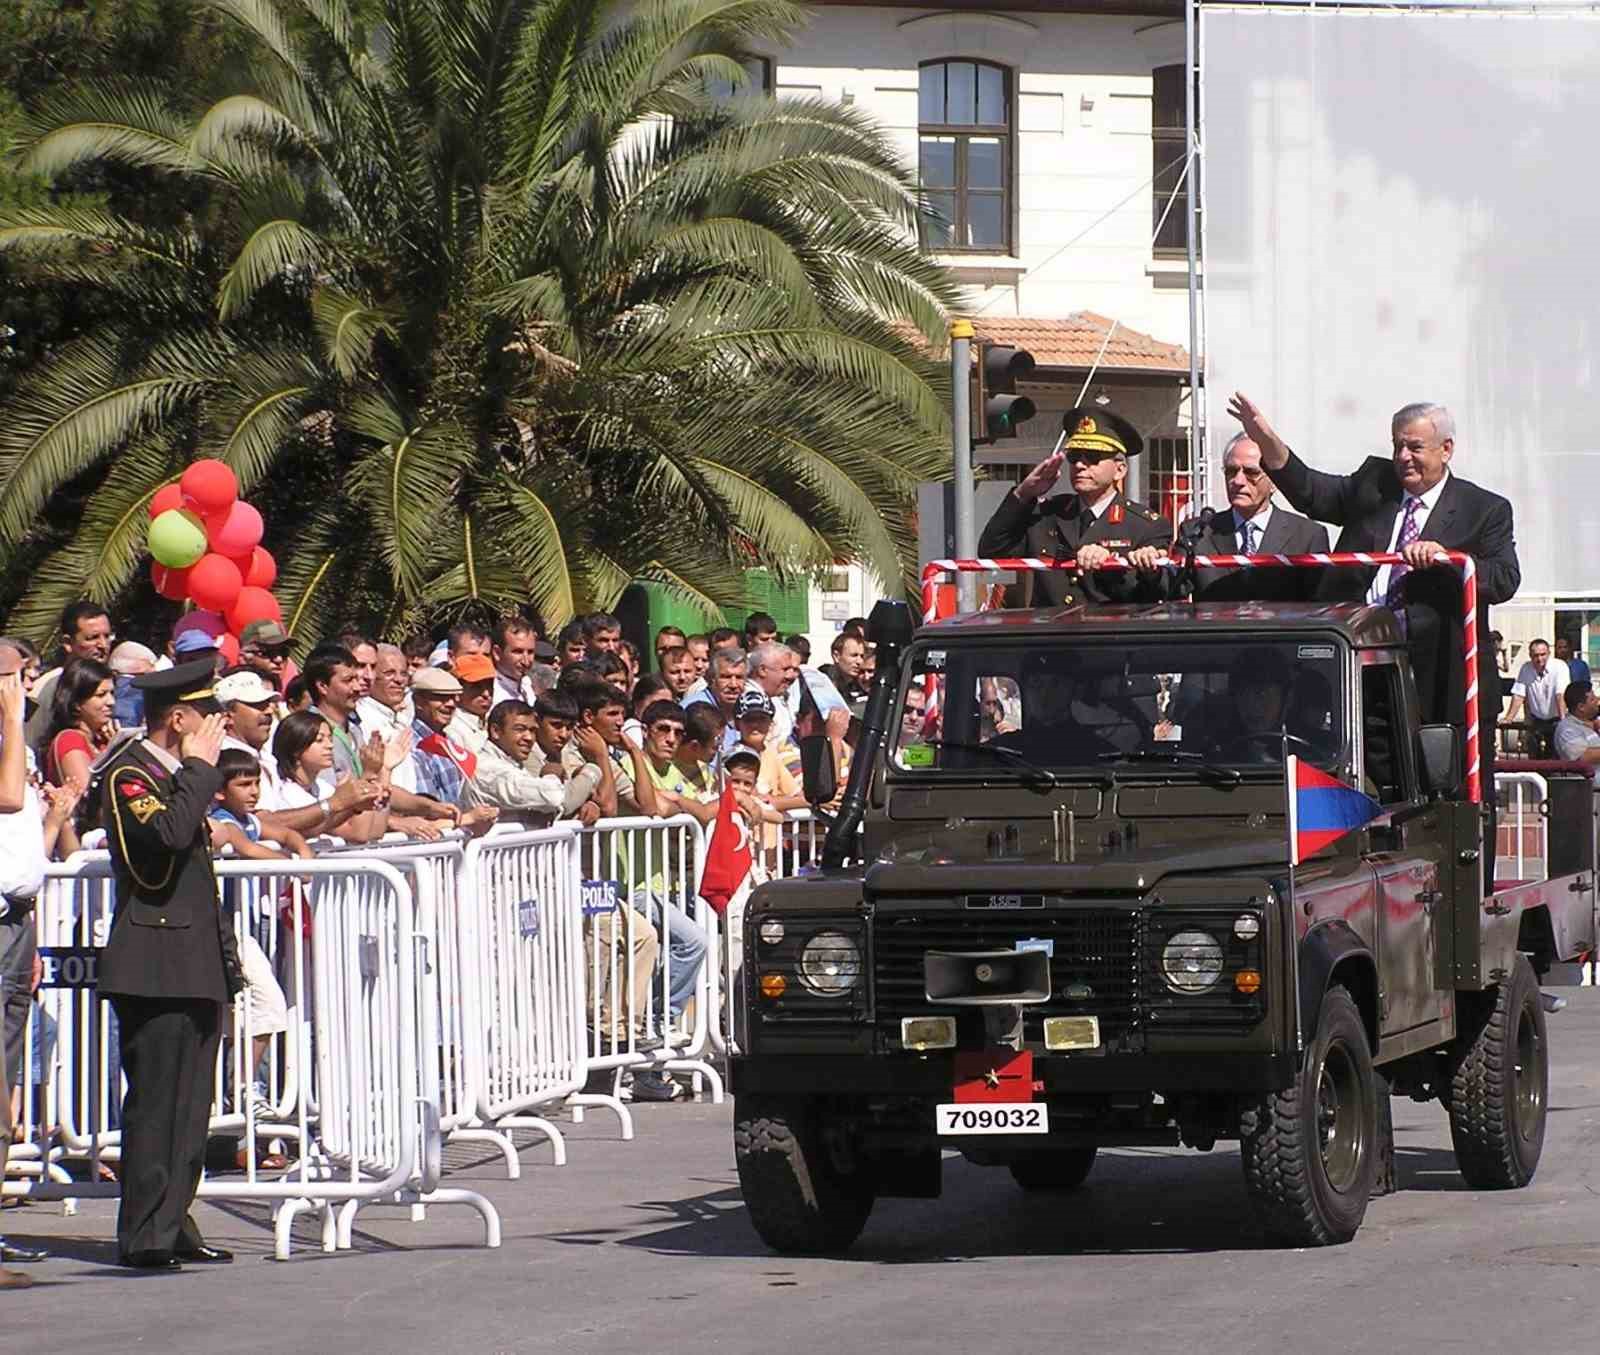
(1383, 526)
(1440, 521)
(1271, 538)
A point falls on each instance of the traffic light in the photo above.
(997, 409)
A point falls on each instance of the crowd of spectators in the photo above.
(364, 739)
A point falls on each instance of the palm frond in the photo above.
(83, 407)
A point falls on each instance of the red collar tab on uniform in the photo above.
(1115, 514)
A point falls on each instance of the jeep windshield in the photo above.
(1089, 704)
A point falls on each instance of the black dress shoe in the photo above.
(204, 1255)
(149, 1260)
(21, 1255)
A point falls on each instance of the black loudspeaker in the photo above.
(986, 978)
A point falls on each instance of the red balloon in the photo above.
(253, 604)
(234, 531)
(214, 582)
(172, 584)
(260, 570)
(168, 496)
(212, 485)
(228, 647)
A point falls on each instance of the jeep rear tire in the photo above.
(1310, 1153)
(1064, 1170)
(799, 1200)
(1500, 1082)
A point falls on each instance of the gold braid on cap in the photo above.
(1089, 437)
(201, 694)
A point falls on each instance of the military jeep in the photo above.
(1057, 913)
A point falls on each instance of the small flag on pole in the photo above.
(728, 856)
(1322, 809)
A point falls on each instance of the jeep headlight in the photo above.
(1191, 961)
(830, 964)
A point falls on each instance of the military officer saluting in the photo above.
(170, 965)
(1090, 525)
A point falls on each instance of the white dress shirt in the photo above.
(378, 718)
(1378, 594)
(1538, 692)
(1257, 525)
(507, 690)
(468, 730)
(271, 783)
(22, 858)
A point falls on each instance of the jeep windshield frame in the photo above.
(1179, 705)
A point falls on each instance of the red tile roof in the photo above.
(1074, 341)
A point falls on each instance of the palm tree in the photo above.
(492, 301)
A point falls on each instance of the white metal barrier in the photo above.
(639, 879)
(1522, 812)
(362, 1106)
(523, 1008)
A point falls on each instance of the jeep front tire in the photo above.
(1310, 1153)
(800, 1201)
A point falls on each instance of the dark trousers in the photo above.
(169, 1056)
(17, 949)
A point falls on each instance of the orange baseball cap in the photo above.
(473, 668)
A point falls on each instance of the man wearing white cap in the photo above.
(251, 705)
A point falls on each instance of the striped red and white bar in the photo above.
(935, 570)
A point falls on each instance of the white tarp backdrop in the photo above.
(1404, 206)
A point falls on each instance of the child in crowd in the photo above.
(776, 786)
(700, 748)
(234, 826)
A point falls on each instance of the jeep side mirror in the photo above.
(819, 777)
(1441, 759)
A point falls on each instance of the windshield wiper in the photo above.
(1226, 775)
(1037, 773)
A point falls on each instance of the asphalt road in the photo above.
(644, 1246)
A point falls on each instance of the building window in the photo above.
(1169, 485)
(1169, 145)
(964, 155)
(757, 84)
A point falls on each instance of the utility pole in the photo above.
(961, 458)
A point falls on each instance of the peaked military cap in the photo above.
(188, 684)
(1099, 430)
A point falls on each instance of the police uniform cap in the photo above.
(187, 684)
(1094, 429)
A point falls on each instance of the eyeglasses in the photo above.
(662, 731)
(1088, 458)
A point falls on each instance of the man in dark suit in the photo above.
(1412, 505)
(1254, 526)
(171, 963)
(1091, 524)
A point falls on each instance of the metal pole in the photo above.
(961, 458)
(1198, 492)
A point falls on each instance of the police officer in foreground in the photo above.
(1091, 524)
(170, 965)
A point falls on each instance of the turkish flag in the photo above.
(728, 856)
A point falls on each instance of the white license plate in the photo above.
(994, 1117)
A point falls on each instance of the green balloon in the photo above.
(177, 538)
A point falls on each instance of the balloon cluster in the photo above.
(206, 544)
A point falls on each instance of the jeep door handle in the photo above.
(1427, 898)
